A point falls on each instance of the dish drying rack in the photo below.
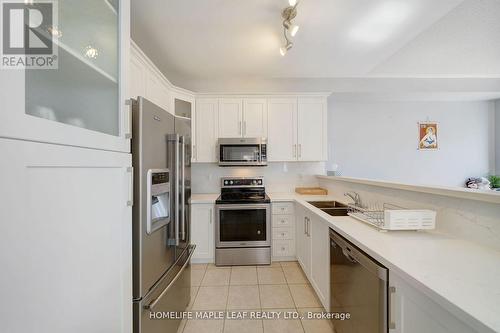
(391, 217)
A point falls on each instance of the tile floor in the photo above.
(280, 287)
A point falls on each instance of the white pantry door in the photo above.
(230, 118)
(282, 129)
(65, 239)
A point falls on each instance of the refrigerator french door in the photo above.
(161, 249)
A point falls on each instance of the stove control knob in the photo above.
(260, 182)
(231, 182)
(254, 182)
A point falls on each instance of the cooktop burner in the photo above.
(243, 191)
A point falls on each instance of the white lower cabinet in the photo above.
(202, 232)
(283, 231)
(303, 240)
(313, 252)
(65, 238)
(320, 259)
(410, 311)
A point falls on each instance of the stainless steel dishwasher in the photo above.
(358, 286)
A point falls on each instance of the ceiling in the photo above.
(208, 45)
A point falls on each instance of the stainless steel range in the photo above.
(243, 223)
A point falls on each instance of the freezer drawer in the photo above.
(171, 294)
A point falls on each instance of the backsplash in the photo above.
(279, 176)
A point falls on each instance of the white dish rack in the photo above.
(391, 217)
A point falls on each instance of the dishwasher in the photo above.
(358, 287)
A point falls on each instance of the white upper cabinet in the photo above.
(282, 129)
(83, 101)
(255, 118)
(206, 130)
(230, 118)
(311, 130)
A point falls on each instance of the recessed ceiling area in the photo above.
(209, 45)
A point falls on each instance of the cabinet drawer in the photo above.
(283, 248)
(283, 233)
(283, 208)
(283, 221)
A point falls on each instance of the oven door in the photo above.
(245, 225)
(240, 154)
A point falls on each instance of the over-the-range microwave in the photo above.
(242, 152)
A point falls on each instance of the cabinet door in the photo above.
(206, 127)
(410, 311)
(230, 118)
(202, 231)
(137, 84)
(303, 242)
(67, 242)
(282, 129)
(157, 91)
(83, 101)
(255, 118)
(320, 260)
(312, 140)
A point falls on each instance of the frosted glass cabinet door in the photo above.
(82, 102)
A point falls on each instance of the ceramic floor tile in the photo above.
(275, 264)
(243, 276)
(243, 326)
(211, 298)
(270, 275)
(275, 297)
(243, 297)
(282, 324)
(216, 277)
(194, 292)
(197, 277)
(289, 264)
(304, 296)
(198, 266)
(205, 326)
(294, 275)
(313, 325)
(212, 266)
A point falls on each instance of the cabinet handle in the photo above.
(128, 133)
(130, 201)
(241, 129)
(305, 225)
(294, 151)
(195, 153)
(244, 128)
(300, 150)
(308, 227)
(392, 323)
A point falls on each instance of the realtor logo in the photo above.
(27, 34)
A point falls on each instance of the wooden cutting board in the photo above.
(311, 191)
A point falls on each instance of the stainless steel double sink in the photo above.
(333, 208)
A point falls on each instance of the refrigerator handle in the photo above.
(183, 187)
(151, 305)
(173, 146)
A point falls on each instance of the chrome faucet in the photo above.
(355, 197)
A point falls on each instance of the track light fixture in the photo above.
(288, 14)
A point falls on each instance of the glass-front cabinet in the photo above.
(82, 100)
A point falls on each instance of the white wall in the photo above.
(379, 140)
(279, 177)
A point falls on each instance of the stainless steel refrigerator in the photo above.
(161, 150)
